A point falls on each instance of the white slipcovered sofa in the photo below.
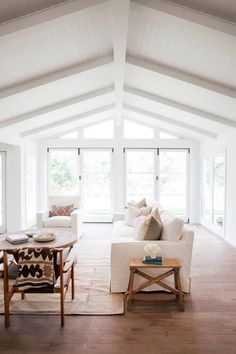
(72, 222)
(124, 247)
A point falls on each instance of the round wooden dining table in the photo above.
(63, 239)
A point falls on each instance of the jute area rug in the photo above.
(92, 296)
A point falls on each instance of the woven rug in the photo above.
(92, 296)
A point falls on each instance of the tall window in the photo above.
(140, 174)
(213, 189)
(173, 184)
(63, 172)
(97, 184)
(161, 174)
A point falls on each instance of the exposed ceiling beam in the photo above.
(181, 76)
(55, 76)
(53, 13)
(57, 106)
(150, 7)
(180, 106)
(120, 16)
(68, 120)
(169, 121)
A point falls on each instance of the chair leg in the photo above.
(72, 283)
(6, 290)
(62, 308)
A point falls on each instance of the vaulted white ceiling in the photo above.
(169, 63)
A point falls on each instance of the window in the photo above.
(134, 130)
(173, 181)
(164, 135)
(140, 174)
(102, 130)
(160, 174)
(213, 189)
(70, 135)
(63, 172)
(97, 184)
(219, 190)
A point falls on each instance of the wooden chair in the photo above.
(64, 271)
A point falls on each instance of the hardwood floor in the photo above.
(208, 324)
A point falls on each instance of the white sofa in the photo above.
(72, 222)
(124, 247)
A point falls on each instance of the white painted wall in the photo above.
(226, 142)
(13, 186)
(118, 143)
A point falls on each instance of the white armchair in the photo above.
(72, 222)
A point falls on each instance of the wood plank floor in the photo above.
(208, 324)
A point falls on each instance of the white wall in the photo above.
(118, 144)
(13, 186)
(226, 142)
(29, 149)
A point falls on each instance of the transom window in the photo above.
(135, 130)
(101, 130)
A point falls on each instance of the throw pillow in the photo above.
(149, 229)
(61, 210)
(155, 213)
(142, 203)
(134, 211)
(172, 227)
(137, 220)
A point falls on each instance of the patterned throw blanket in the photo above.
(35, 268)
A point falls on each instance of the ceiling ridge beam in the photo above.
(56, 106)
(169, 121)
(182, 107)
(120, 17)
(149, 7)
(56, 76)
(49, 14)
(68, 120)
(181, 76)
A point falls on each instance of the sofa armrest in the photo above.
(76, 222)
(41, 216)
(118, 217)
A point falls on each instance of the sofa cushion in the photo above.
(134, 211)
(172, 227)
(57, 221)
(121, 230)
(149, 229)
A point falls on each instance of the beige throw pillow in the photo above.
(142, 203)
(155, 213)
(133, 211)
(149, 229)
(172, 227)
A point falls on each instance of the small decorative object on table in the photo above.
(152, 254)
(17, 238)
(44, 237)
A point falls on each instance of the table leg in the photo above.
(6, 289)
(180, 293)
(130, 286)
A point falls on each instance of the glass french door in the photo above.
(174, 181)
(2, 192)
(159, 174)
(96, 184)
(140, 174)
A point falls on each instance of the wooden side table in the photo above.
(137, 267)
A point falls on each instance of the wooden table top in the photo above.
(63, 239)
(167, 263)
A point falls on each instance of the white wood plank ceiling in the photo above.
(64, 63)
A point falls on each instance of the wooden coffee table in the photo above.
(173, 267)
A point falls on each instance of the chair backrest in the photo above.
(63, 200)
